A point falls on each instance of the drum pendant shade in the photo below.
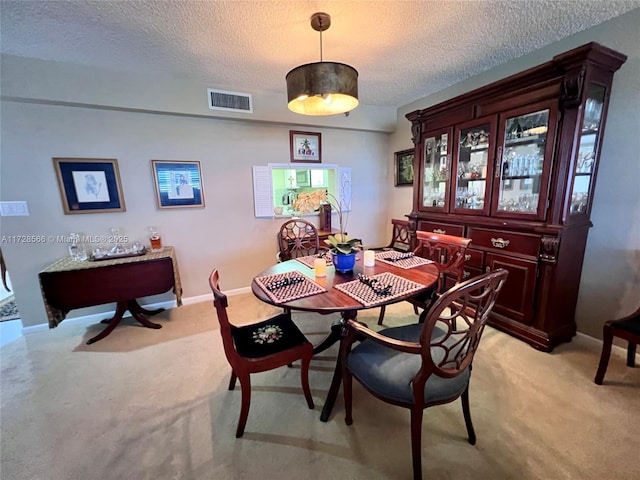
(322, 88)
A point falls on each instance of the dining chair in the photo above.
(420, 365)
(627, 328)
(448, 252)
(297, 238)
(259, 347)
(400, 237)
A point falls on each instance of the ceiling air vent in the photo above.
(229, 101)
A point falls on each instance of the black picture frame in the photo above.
(404, 167)
(89, 185)
(305, 147)
(178, 183)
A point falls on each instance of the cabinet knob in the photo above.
(467, 257)
(487, 269)
(500, 242)
(466, 274)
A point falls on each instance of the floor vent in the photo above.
(229, 101)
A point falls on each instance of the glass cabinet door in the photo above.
(437, 171)
(522, 172)
(473, 167)
(584, 169)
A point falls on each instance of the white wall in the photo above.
(225, 234)
(610, 284)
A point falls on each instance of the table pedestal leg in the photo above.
(136, 311)
(332, 338)
(337, 373)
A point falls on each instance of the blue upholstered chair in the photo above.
(425, 364)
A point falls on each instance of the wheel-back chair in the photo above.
(424, 364)
(448, 252)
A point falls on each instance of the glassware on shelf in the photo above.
(117, 248)
(436, 171)
(77, 250)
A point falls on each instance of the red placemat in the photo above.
(367, 296)
(284, 287)
(402, 259)
(309, 260)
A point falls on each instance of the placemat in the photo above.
(284, 287)
(402, 259)
(366, 295)
(309, 260)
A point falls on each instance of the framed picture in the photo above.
(89, 185)
(305, 146)
(178, 183)
(404, 167)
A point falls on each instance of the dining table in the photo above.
(394, 277)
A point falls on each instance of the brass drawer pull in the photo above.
(500, 242)
(440, 231)
(467, 257)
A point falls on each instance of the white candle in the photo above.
(320, 267)
(369, 258)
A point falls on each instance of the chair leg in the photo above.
(381, 317)
(415, 310)
(232, 380)
(245, 386)
(631, 355)
(347, 387)
(467, 416)
(607, 340)
(416, 440)
(304, 378)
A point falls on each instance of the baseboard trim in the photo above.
(96, 317)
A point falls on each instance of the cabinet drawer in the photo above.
(523, 243)
(442, 228)
(473, 258)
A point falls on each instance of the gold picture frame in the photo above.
(89, 185)
(404, 167)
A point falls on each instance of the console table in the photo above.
(67, 284)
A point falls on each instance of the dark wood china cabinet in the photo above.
(512, 166)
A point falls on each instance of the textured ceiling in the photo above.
(403, 50)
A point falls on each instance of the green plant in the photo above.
(341, 243)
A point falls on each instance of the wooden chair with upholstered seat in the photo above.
(449, 254)
(297, 238)
(259, 347)
(423, 364)
(627, 328)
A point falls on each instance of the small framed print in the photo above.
(178, 183)
(89, 185)
(404, 167)
(305, 146)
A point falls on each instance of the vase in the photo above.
(344, 262)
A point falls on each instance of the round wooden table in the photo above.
(335, 301)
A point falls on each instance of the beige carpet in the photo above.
(154, 404)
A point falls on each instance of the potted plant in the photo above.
(342, 247)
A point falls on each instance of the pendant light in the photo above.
(322, 88)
